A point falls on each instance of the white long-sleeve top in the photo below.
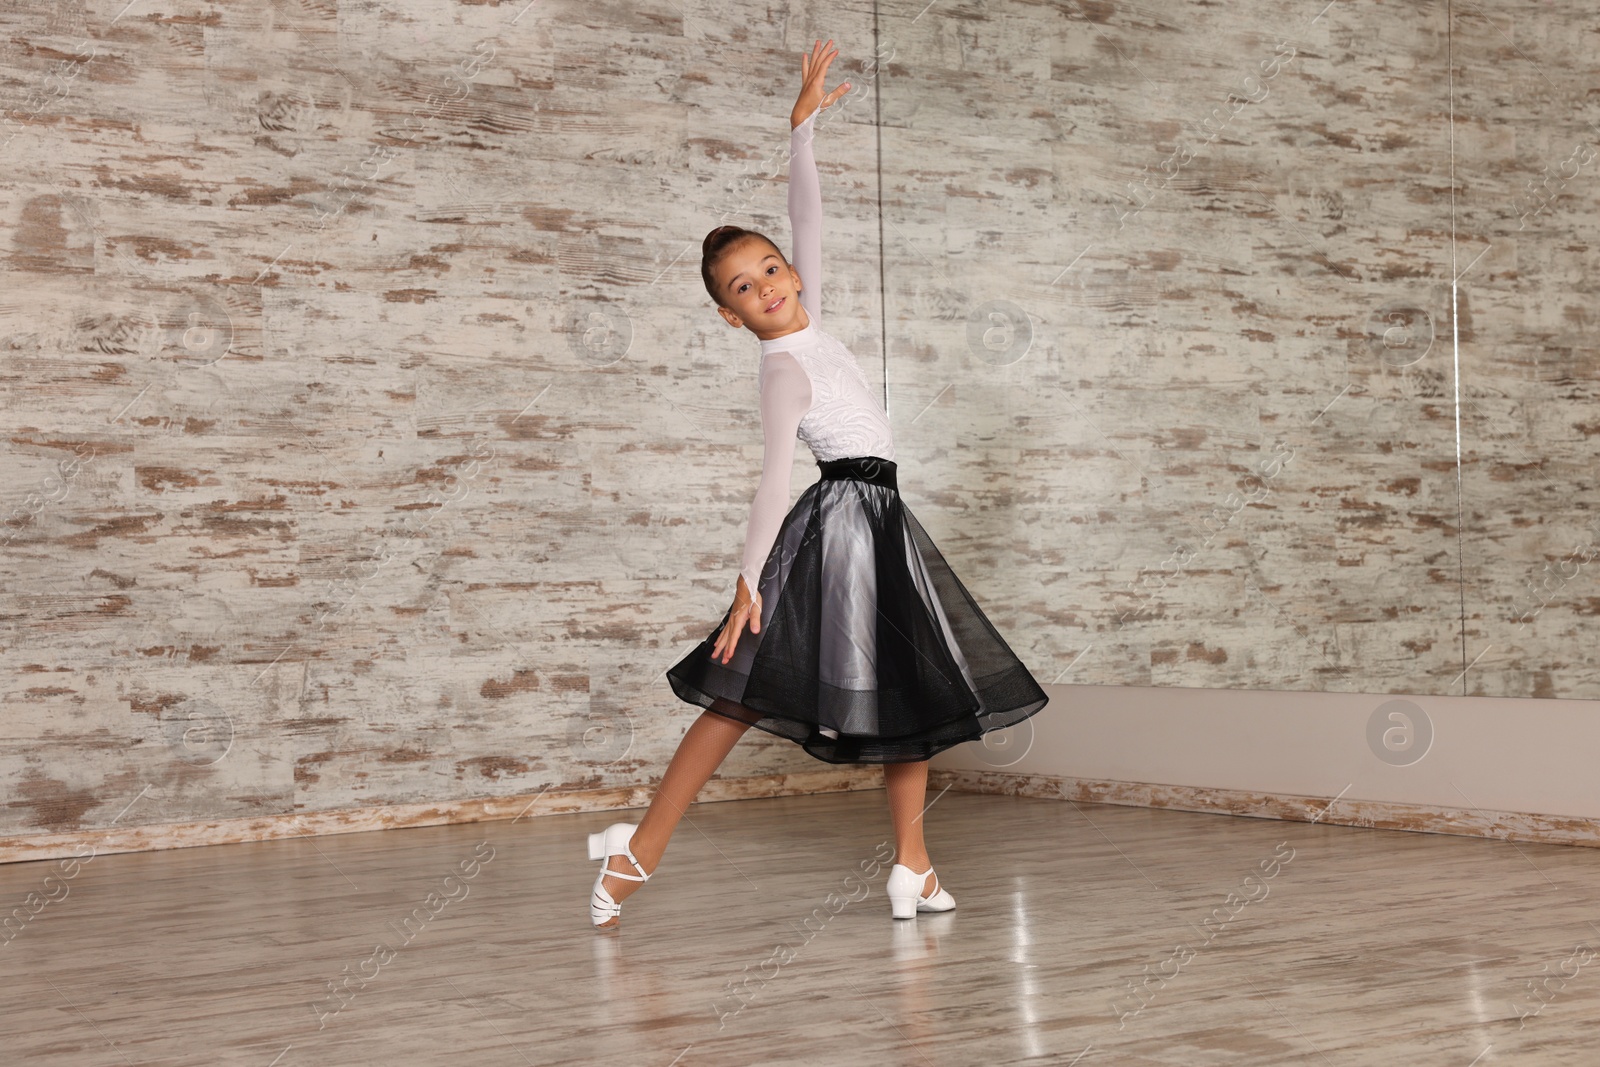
(811, 386)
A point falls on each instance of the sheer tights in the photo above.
(706, 744)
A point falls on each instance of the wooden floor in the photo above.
(1249, 941)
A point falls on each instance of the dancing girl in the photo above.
(863, 646)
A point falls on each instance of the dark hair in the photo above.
(716, 244)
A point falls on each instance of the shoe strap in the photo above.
(627, 851)
(601, 902)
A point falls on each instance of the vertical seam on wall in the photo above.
(879, 74)
(1455, 344)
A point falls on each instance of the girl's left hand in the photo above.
(746, 610)
(813, 75)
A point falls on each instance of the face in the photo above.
(760, 290)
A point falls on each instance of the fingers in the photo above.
(818, 54)
(728, 640)
(827, 57)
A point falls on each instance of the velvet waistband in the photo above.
(862, 469)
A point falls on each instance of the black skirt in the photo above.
(870, 649)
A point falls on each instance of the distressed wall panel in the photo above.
(371, 440)
(1182, 298)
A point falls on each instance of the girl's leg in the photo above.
(708, 741)
(907, 786)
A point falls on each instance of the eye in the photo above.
(746, 284)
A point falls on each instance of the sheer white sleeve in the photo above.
(785, 399)
(805, 216)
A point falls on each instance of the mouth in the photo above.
(776, 304)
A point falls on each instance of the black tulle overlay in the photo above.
(870, 649)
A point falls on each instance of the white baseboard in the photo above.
(1513, 768)
(1341, 811)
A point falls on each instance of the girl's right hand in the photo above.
(746, 609)
(813, 75)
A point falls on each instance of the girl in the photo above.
(864, 646)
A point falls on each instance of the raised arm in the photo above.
(785, 399)
(805, 192)
(785, 388)
(805, 216)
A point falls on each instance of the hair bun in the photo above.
(711, 238)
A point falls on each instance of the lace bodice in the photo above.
(844, 417)
(812, 389)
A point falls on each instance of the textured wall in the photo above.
(1191, 305)
(371, 439)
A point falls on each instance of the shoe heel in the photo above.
(597, 845)
(904, 907)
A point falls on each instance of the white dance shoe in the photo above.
(614, 840)
(905, 893)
